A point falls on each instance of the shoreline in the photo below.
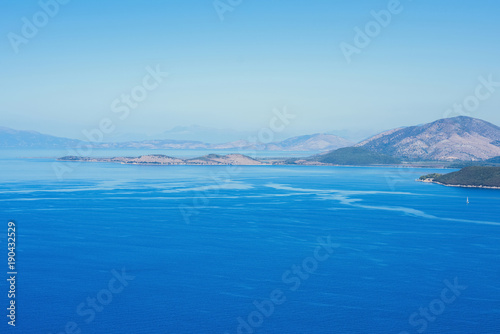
(457, 185)
(236, 159)
(264, 162)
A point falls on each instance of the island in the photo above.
(160, 159)
(342, 157)
(475, 177)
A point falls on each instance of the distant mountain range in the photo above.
(202, 134)
(10, 138)
(316, 142)
(451, 139)
(459, 138)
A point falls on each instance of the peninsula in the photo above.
(475, 177)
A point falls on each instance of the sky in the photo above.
(350, 67)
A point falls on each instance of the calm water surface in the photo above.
(204, 248)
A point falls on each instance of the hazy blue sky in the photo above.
(232, 73)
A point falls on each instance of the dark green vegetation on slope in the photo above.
(356, 156)
(476, 176)
(493, 162)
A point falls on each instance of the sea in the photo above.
(129, 249)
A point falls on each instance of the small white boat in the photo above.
(467, 200)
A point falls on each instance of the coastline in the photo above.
(236, 160)
(457, 185)
(263, 163)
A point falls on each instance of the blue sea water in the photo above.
(202, 249)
